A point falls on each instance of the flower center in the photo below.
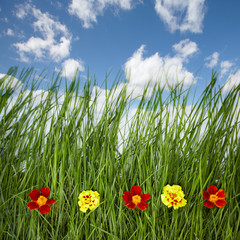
(173, 195)
(41, 201)
(87, 199)
(136, 199)
(213, 198)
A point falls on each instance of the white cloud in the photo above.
(185, 48)
(55, 41)
(60, 50)
(22, 11)
(9, 32)
(225, 67)
(183, 15)
(88, 10)
(70, 66)
(34, 46)
(212, 60)
(233, 80)
(163, 70)
(11, 82)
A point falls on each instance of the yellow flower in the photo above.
(88, 200)
(173, 196)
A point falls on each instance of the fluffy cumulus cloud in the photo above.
(60, 50)
(233, 80)
(71, 66)
(164, 70)
(225, 67)
(185, 48)
(54, 40)
(183, 15)
(88, 10)
(212, 60)
(167, 71)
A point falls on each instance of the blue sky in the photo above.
(148, 39)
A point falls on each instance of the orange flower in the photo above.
(214, 197)
(135, 198)
(40, 201)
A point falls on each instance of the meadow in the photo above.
(67, 144)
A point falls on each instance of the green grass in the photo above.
(66, 148)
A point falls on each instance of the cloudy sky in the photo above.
(154, 40)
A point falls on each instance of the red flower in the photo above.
(40, 201)
(135, 198)
(214, 196)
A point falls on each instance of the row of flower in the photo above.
(172, 196)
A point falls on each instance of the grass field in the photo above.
(68, 145)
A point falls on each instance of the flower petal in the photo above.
(220, 202)
(45, 192)
(221, 193)
(208, 204)
(32, 205)
(44, 209)
(34, 195)
(145, 197)
(130, 205)
(206, 195)
(212, 190)
(136, 190)
(50, 201)
(142, 205)
(83, 209)
(127, 196)
(127, 202)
